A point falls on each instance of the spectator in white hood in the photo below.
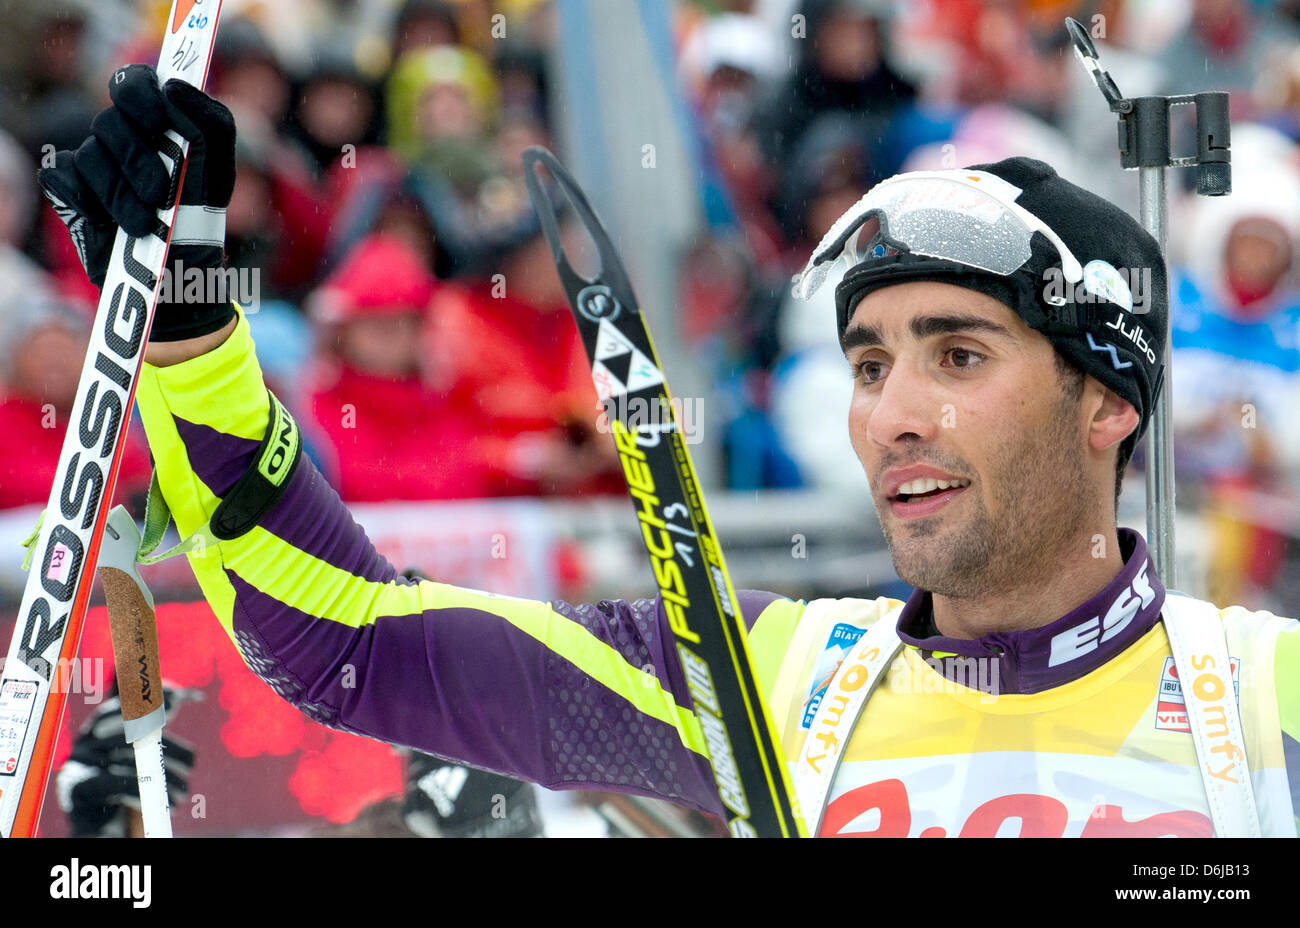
(1235, 336)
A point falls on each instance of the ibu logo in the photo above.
(1105, 282)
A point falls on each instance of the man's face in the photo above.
(950, 385)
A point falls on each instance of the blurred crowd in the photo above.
(408, 311)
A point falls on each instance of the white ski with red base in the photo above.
(50, 619)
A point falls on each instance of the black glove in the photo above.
(98, 780)
(117, 178)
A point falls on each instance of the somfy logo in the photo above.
(103, 881)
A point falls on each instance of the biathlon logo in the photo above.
(1103, 280)
(598, 302)
(841, 639)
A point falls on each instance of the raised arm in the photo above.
(563, 695)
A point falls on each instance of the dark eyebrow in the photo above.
(860, 336)
(868, 336)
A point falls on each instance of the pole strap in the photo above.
(243, 507)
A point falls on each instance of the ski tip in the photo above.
(539, 153)
(543, 205)
(610, 271)
(535, 155)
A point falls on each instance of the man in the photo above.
(993, 461)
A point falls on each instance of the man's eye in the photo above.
(869, 371)
(963, 357)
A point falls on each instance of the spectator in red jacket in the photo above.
(40, 363)
(520, 365)
(397, 429)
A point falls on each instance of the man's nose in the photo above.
(907, 407)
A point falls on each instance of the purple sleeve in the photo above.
(534, 691)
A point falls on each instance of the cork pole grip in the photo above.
(135, 644)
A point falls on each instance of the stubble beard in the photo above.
(1038, 487)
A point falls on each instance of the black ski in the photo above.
(695, 589)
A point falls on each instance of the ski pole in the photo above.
(134, 629)
(53, 609)
(1144, 145)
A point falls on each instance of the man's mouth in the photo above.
(927, 487)
(925, 496)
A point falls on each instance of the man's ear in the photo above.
(1113, 417)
